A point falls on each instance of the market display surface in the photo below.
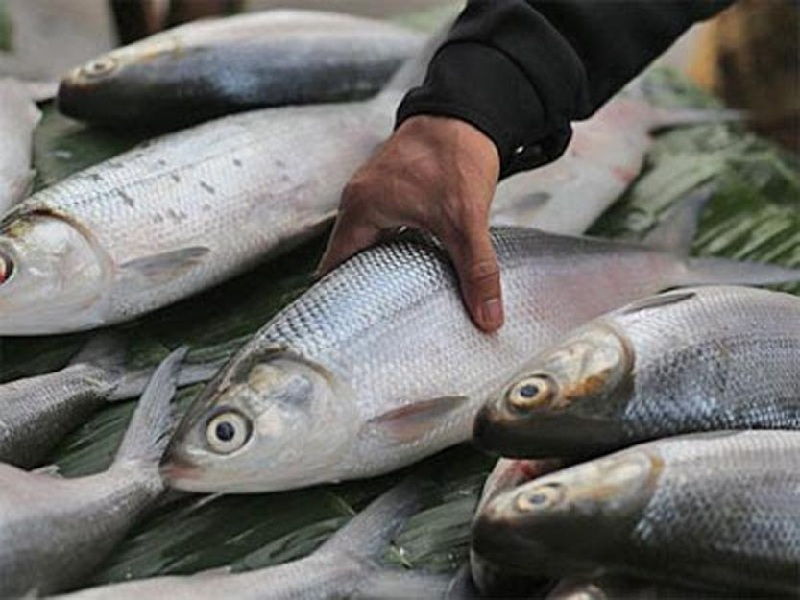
(374, 375)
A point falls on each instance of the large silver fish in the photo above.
(18, 118)
(37, 412)
(378, 364)
(54, 531)
(690, 360)
(710, 509)
(338, 569)
(215, 67)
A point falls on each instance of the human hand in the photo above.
(437, 174)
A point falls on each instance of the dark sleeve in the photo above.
(522, 70)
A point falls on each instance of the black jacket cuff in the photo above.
(492, 95)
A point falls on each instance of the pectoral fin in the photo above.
(165, 266)
(411, 422)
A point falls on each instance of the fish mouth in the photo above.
(547, 435)
(176, 471)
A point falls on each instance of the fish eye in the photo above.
(532, 392)
(227, 432)
(540, 498)
(6, 268)
(99, 67)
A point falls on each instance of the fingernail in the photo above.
(492, 312)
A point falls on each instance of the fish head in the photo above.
(566, 403)
(120, 76)
(568, 521)
(270, 421)
(52, 277)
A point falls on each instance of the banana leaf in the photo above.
(754, 214)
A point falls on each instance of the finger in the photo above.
(479, 276)
(346, 239)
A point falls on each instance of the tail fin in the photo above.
(368, 533)
(146, 436)
(664, 118)
(717, 271)
(676, 232)
(133, 383)
(105, 350)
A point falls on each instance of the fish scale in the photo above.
(742, 349)
(735, 497)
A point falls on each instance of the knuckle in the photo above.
(484, 272)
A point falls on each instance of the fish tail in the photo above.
(664, 118)
(676, 232)
(133, 383)
(105, 350)
(368, 533)
(719, 271)
(147, 434)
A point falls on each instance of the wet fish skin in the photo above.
(216, 67)
(54, 531)
(378, 365)
(18, 118)
(644, 512)
(718, 357)
(336, 570)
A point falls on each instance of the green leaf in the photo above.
(6, 28)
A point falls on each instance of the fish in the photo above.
(215, 67)
(605, 155)
(378, 365)
(154, 225)
(37, 412)
(18, 118)
(701, 359)
(55, 531)
(335, 570)
(714, 509)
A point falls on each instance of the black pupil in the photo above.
(529, 391)
(539, 498)
(225, 431)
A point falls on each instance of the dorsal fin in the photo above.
(676, 232)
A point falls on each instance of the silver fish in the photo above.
(18, 118)
(336, 570)
(215, 67)
(54, 531)
(710, 509)
(37, 412)
(378, 364)
(691, 360)
(155, 224)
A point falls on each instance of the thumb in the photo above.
(479, 276)
(346, 239)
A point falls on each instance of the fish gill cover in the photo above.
(754, 215)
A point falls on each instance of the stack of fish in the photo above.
(378, 365)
